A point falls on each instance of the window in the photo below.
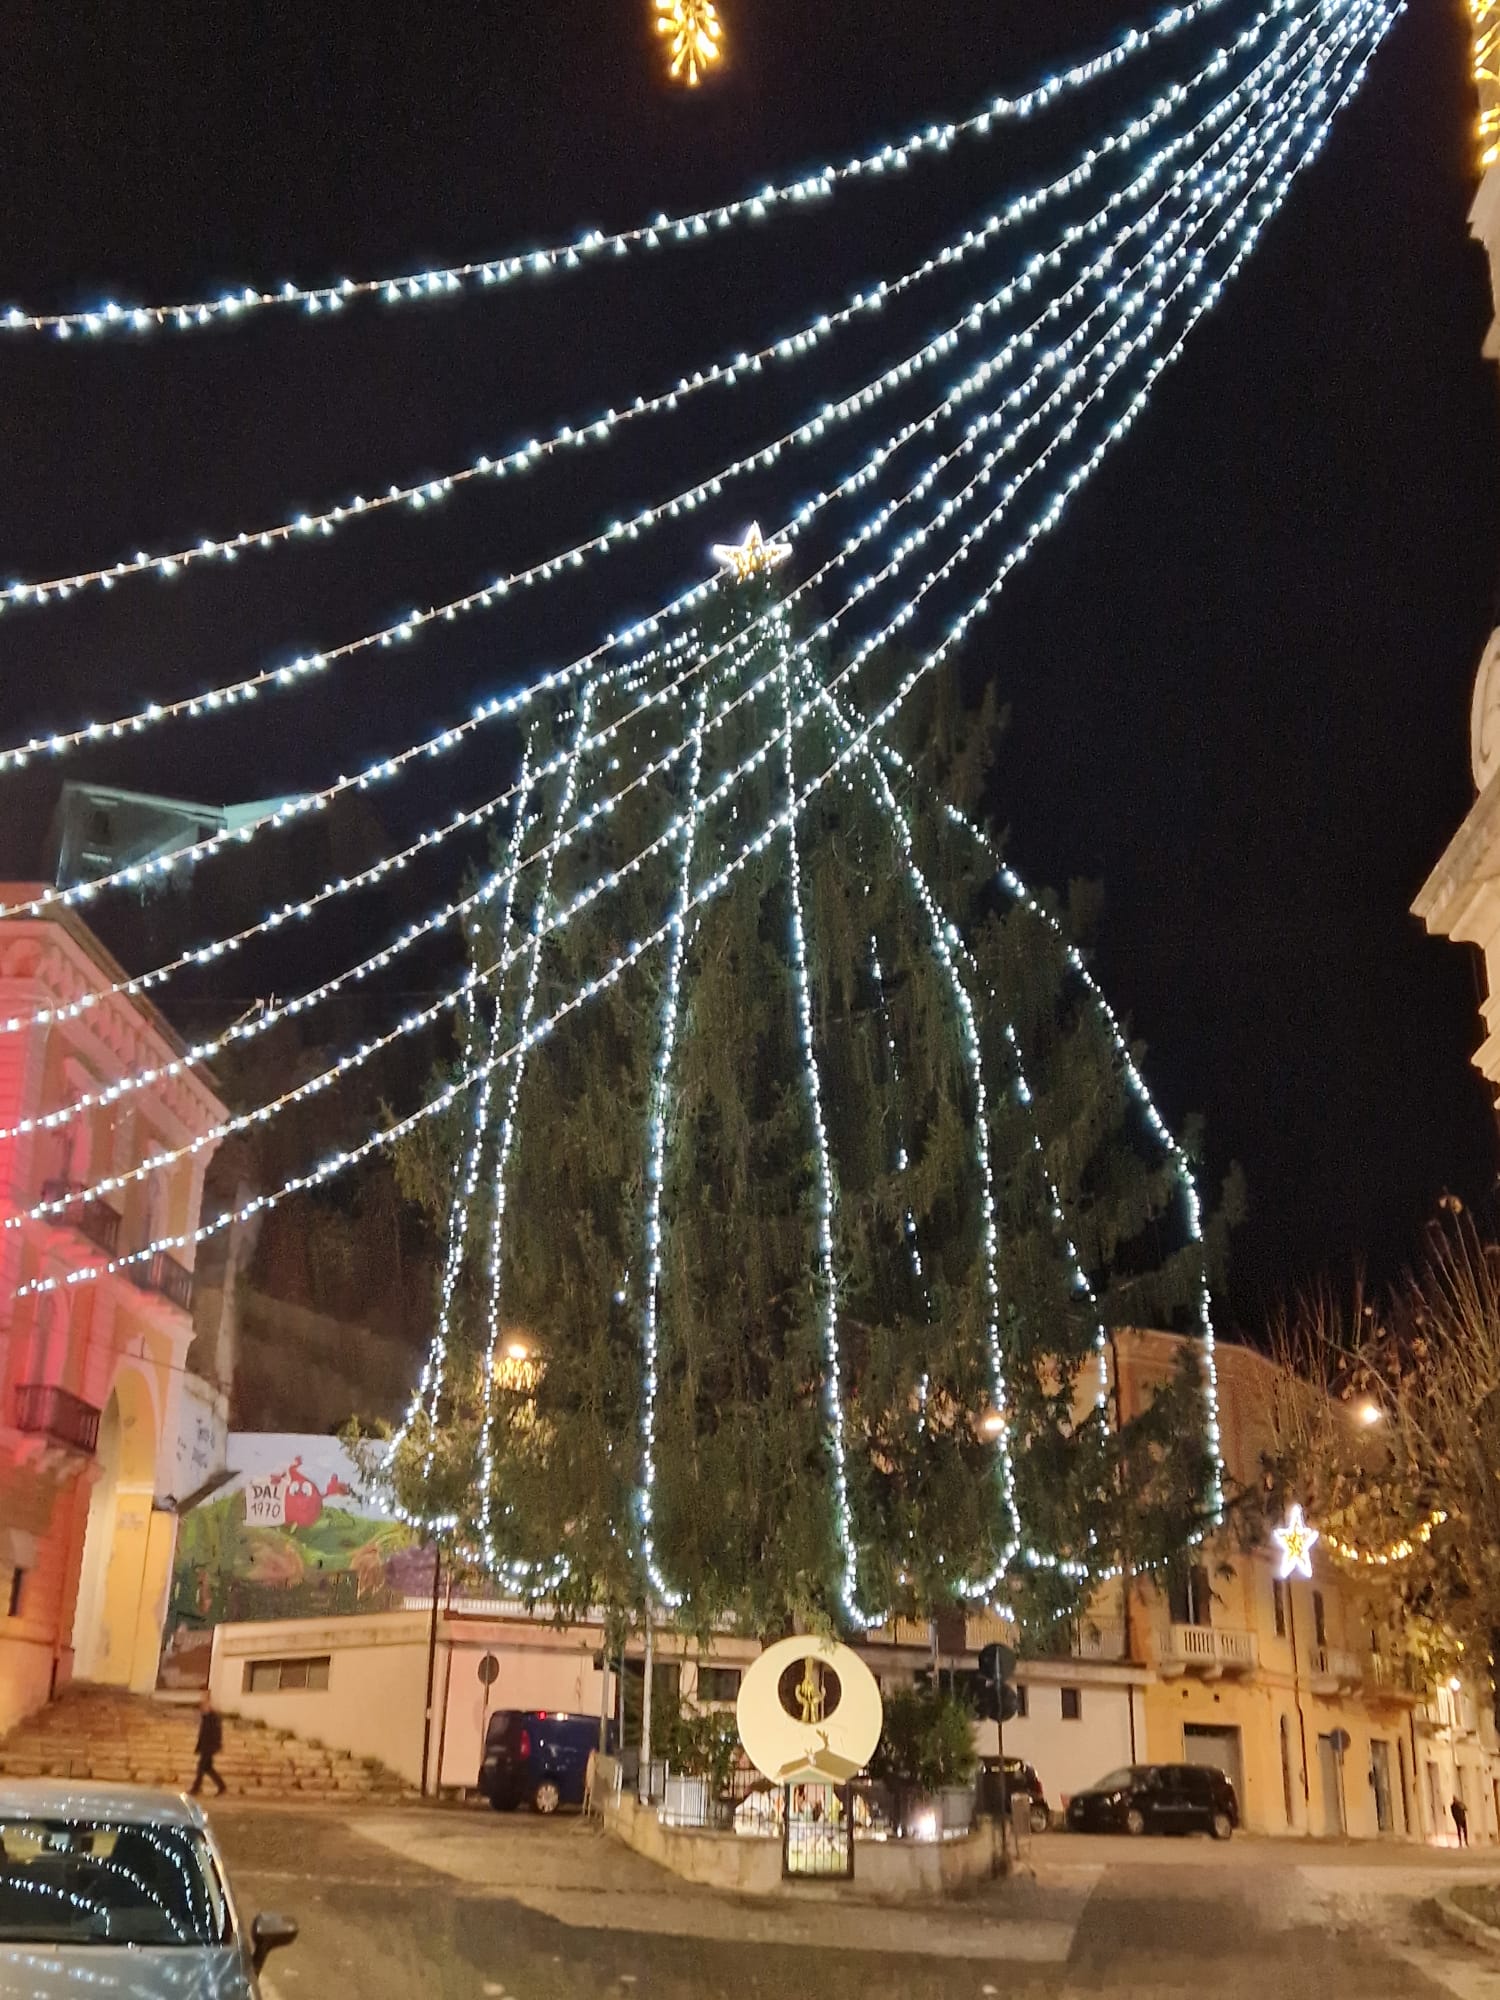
(1019, 1689)
(1072, 1704)
(666, 1685)
(1189, 1597)
(17, 1591)
(104, 1883)
(287, 1676)
(1278, 1605)
(1320, 1623)
(1286, 1766)
(718, 1683)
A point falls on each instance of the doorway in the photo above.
(1331, 1770)
(1380, 1774)
(1219, 1749)
(1285, 1733)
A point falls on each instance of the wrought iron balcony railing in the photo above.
(164, 1275)
(94, 1219)
(44, 1410)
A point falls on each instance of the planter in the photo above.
(955, 1806)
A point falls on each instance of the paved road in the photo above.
(456, 1906)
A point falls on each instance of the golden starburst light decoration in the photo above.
(695, 38)
(749, 557)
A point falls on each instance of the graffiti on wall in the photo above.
(294, 1532)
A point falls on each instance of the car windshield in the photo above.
(96, 1882)
(1117, 1781)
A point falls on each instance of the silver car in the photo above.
(117, 1890)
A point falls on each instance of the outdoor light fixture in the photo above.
(1370, 1414)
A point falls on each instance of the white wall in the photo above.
(558, 1672)
(1070, 1756)
(377, 1683)
(375, 1702)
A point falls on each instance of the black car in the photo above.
(995, 1793)
(1157, 1798)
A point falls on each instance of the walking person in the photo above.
(210, 1743)
(1461, 1821)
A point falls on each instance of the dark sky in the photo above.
(1239, 674)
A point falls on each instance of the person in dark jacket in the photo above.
(1460, 1814)
(210, 1743)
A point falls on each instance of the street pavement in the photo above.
(455, 1905)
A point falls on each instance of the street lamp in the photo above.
(1370, 1414)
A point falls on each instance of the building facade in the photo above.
(1461, 897)
(103, 1428)
(1279, 1681)
(1282, 1682)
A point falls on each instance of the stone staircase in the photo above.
(117, 1738)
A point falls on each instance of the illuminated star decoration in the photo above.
(754, 554)
(697, 38)
(1296, 1541)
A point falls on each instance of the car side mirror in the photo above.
(269, 1933)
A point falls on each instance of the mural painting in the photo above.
(294, 1532)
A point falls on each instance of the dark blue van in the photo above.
(538, 1757)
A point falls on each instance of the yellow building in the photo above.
(102, 1427)
(1281, 1682)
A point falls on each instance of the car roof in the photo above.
(69, 1798)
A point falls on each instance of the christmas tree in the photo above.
(781, 1269)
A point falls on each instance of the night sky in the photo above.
(1238, 675)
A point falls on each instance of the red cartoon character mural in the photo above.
(304, 1498)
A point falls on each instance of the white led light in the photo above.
(595, 243)
(1197, 286)
(292, 674)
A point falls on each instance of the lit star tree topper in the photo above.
(751, 556)
(695, 36)
(1296, 1542)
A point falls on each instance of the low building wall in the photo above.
(885, 1871)
(373, 1695)
(372, 1702)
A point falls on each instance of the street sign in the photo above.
(488, 1670)
(1341, 1740)
(996, 1663)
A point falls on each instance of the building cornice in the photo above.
(61, 955)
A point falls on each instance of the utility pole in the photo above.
(437, 1572)
(644, 1786)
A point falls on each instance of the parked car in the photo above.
(995, 1793)
(1157, 1798)
(119, 1888)
(538, 1757)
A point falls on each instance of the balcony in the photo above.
(1394, 1679)
(94, 1219)
(1093, 1639)
(164, 1276)
(1209, 1650)
(1335, 1671)
(44, 1410)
